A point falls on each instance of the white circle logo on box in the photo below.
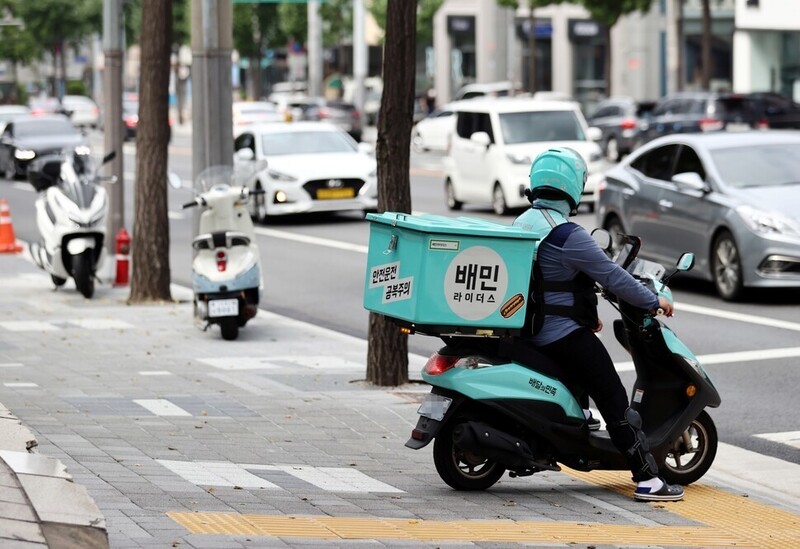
(475, 283)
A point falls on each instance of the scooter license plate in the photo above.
(434, 406)
(223, 307)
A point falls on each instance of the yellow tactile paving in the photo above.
(728, 520)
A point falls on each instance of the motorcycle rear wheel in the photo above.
(83, 273)
(229, 328)
(57, 280)
(461, 469)
(693, 453)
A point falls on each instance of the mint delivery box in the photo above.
(440, 275)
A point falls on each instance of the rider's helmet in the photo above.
(560, 174)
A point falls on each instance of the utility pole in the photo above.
(359, 53)
(314, 49)
(212, 89)
(113, 40)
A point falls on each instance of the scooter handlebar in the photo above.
(190, 205)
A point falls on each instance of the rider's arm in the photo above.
(582, 253)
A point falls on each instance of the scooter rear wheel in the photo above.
(229, 328)
(462, 469)
(693, 453)
(58, 281)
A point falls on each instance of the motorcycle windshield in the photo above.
(227, 176)
(79, 191)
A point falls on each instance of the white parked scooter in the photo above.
(226, 270)
(71, 214)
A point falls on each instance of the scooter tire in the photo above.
(460, 469)
(83, 273)
(58, 281)
(699, 444)
(229, 328)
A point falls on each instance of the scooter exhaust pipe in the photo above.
(508, 450)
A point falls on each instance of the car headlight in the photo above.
(83, 150)
(279, 176)
(24, 154)
(766, 222)
(519, 159)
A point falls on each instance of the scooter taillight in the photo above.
(222, 261)
(438, 364)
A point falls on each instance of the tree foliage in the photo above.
(425, 11)
(17, 44)
(336, 16)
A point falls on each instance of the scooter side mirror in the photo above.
(686, 262)
(109, 157)
(245, 155)
(174, 180)
(603, 239)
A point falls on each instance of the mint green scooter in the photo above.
(487, 414)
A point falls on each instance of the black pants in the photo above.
(585, 362)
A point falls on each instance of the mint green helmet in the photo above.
(560, 174)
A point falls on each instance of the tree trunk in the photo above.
(531, 47)
(151, 275)
(387, 351)
(706, 54)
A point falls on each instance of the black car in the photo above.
(777, 111)
(696, 112)
(28, 137)
(619, 119)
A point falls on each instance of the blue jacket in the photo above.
(580, 253)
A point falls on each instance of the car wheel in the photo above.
(612, 149)
(726, 267)
(499, 204)
(614, 227)
(450, 193)
(259, 205)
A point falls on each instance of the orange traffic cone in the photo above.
(8, 243)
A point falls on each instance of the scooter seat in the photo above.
(220, 239)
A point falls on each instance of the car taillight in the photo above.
(762, 124)
(628, 124)
(601, 186)
(324, 113)
(711, 124)
(357, 115)
(438, 364)
(222, 261)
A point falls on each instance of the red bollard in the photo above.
(123, 244)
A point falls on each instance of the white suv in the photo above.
(495, 140)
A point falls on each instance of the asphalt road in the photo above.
(314, 271)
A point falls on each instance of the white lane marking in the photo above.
(790, 438)
(209, 473)
(175, 215)
(161, 407)
(741, 317)
(11, 364)
(725, 358)
(305, 239)
(101, 324)
(315, 362)
(28, 326)
(23, 187)
(155, 373)
(19, 384)
(334, 479)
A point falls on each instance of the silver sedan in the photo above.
(731, 198)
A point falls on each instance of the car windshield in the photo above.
(534, 126)
(759, 165)
(31, 128)
(311, 142)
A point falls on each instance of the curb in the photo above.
(42, 505)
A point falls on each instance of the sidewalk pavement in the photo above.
(152, 433)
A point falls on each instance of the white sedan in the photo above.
(432, 132)
(311, 167)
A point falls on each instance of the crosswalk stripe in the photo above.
(790, 438)
(209, 473)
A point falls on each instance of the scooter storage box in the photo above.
(439, 275)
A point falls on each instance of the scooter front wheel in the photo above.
(692, 454)
(462, 469)
(83, 273)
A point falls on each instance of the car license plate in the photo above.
(737, 127)
(332, 194)
(223, 307)
(434, 406)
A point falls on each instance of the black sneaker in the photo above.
(593, 423)
(668, 492)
